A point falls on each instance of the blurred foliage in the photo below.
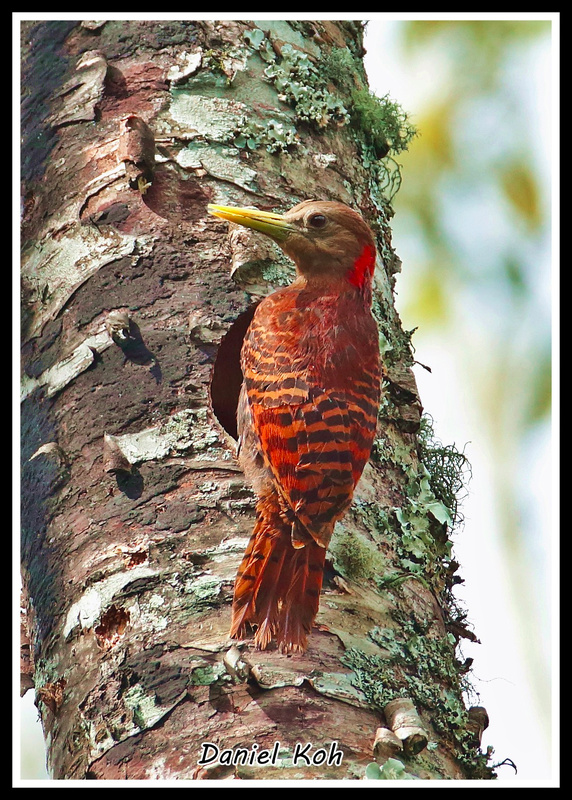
(520, 189)
(476, 155)
(483, 42)
(475, 200)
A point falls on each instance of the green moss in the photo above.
(355, 556)
(426, 656)
(382, 122)
(344, 69)
(144, 707)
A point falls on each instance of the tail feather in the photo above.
(277, 588)
(257, 578)
(302, 599)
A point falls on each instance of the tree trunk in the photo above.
(134, 511)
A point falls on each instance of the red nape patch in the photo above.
(363, 267)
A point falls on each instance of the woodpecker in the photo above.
(307, 412)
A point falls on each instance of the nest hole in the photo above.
(227, 374)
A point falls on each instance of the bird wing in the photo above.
(316, 451)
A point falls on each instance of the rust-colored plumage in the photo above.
(307, 412)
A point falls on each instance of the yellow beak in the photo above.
(274, 225)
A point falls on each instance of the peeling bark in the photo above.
(134, 511)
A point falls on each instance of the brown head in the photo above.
(328, 241)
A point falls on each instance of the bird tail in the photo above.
(278, 585)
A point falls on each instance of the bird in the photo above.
(307, 412)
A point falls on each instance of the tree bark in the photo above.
(135, 514)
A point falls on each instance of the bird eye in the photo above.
(317, 220)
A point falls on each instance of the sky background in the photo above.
(474, 229)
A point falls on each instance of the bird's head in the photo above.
(328, 241)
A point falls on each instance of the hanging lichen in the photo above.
(448, 469)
